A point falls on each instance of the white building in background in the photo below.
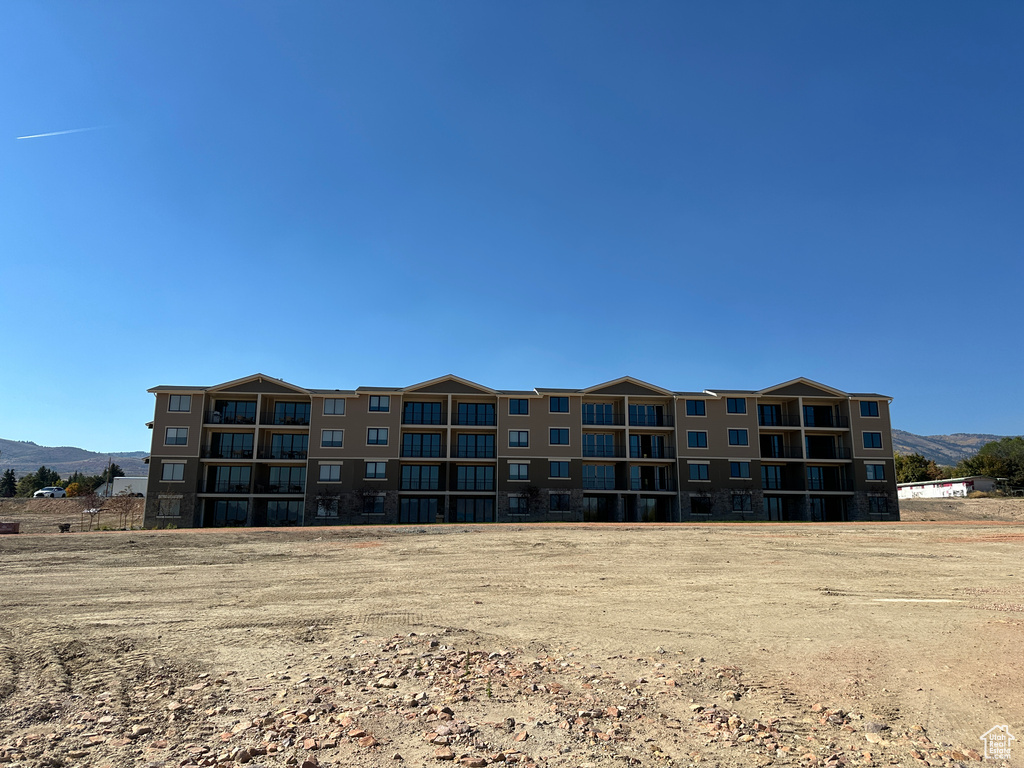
(133, 485)
(942, 489)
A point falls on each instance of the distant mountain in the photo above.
(942, 449)
(26, 457)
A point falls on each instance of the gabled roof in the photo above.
(445, 384)
(257, 378)
(803, 384)
(625, 383)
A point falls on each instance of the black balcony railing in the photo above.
(280, 488)
(272, 420)
(778, 420)
(279, 453)
(474, 453)
(216, 417)
(604, 419)
(815, 484)
(827, 452)
(423, 451)
(652, 453)
(781, 452)
(474, 485)
(600, 484)
(471, 420)
(604, 451)
(227, 488)
(781, 485)
(651, 420)
(424, 418)
(645, 484)
(227, 453)
(421, 485)
(826, 422)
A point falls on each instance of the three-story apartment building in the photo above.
(260, 451)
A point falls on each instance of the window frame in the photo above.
(558, 400)
(523, 403)
(519, 442)
(377, 437)
(379, 404)
(559, 495)
(740, 465)
(746, 506)
(378, 474)
(330, 468)
(170, 403)
(334, 412)
(736, 405)
(869, 404)
(703, 471)
(739, 433)
(552, 435)
(333, 443)
(551, 468)
(180, 470)
(521, 473)
(874, 472)
(698, 405)
(176, 441)
(873, 435)
(171, 501)
(693, 439)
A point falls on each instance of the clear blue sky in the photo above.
(701, 195)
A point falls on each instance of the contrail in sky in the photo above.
(61, 133)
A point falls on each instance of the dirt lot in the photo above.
(730, 645)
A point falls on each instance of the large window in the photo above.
(330, 473)
(646, 416)
(558, 469)
(599, 477)
(476, 414)
(289, 446)
(599, 445)
(284, 512)
(291, 413)
(518, 406)
(421, 413)
(334, 406)
(736, 405)
(771, 477)
(380, 403)
(697, 439)
(475, 446)
(738, 437)
(695, 408)
(558, 436)
(868, 408)
(375, 470)
(234, 412)
(600, 414)
(176, 436)
(559, 502)
(231, 445)
(421, 445)
(287, 480)
(872, 439)
(875, 471)
(416, 477)
(417, 510)
(474, 478)
(519, 438)
(473, 511)
(739, 469)
(518, 471)
(173, 472)
(228, 513)
(559, 405)
(377, 436)
(231, 480)
(699, 472)
(180, 403)
(332, 438)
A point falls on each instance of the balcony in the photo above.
(652, 453)
(216, 417)
(227, 453)
(826, 421)
(604, 419)
(604, 452)
(781, 452)
(600, 484)
(649, 484)
(421, 485)
(650, 420)
(272, 420)
(474, 485)
(280, 453)
(227, 487)
(280, 488)
(778, 420)
(423, 451)
(827, 484)
(474, 420)
(773, 484)
(474, 453)
(826, 452)
(424, 418)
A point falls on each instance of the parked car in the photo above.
(50, 492)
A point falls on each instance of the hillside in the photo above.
(28, 457)
(942, 449)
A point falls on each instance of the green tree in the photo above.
(8, 484)
(1000, 458)
(28, 485)
(108, 475)
(88, 483)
